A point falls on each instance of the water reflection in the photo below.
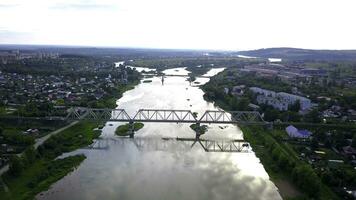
(173, 144)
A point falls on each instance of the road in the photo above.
(40, 141)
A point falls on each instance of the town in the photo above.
(313, 119)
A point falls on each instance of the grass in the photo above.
(45, 170)
(123, 130)
(38, 177)
(77, 136)
(2, 110)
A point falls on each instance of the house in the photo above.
(274, 102)
(293, 132)
(349, 151)
(238, 90)
(253, 106)
(351, 113)
(333, 164)
(33, 132)
(313, 72)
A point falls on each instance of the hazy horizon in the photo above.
(191, 25)
(153, 48)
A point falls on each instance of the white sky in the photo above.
(201, 24)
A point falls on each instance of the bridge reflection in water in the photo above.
(175, 144)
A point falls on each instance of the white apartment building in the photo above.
(280, 100)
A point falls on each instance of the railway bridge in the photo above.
(166, 116)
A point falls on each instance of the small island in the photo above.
(124, 130)
(200, 129)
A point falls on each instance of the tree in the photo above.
(16, 166)
(243, 104)
(306, 179)
(295, 107)
(283, 161)
(30, 155)
(271, 114)
(313, 116)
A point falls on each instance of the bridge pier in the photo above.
(132, 129)
(197, 132)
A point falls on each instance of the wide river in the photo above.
(122, 169)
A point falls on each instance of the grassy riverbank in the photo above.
(36, 170)
(116, 93)
(77, 136)
(38, 177)
(294, 178)
(123, 130)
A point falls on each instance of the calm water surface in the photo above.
(162, 171)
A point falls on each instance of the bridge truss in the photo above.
(161, 115)
(173, 144)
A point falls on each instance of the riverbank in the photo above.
(30, 181)
(294, 178)
(38, 177)
(283, 181)
(116, 93)
(35, 171)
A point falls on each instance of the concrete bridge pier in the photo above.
(197, 132)
(132, 129)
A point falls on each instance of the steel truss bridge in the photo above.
(159, 115)
(176, 144)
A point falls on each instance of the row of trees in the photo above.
(302, 174)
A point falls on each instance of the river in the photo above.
(122, 170)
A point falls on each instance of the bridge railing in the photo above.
(213, 116)
(165, 115)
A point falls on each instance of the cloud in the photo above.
(83, 6)
(2, 5)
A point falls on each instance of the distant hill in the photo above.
(301, 54)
